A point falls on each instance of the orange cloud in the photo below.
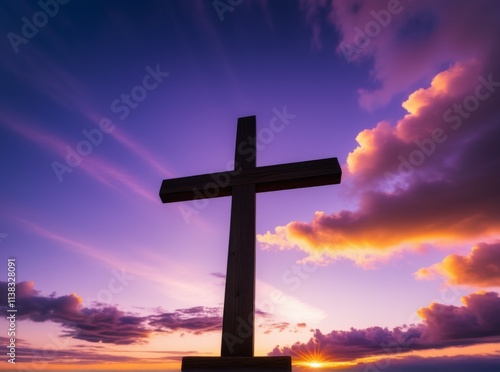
(441, 85)
(480, 268)
(426, 180)
(379, 148)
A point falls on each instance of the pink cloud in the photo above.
(108, 324)
(407, 41)
(278, 326)
(197, 320)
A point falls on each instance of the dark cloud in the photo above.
(23, 290)
(478, 318)
(355, 343)
(443, 326)
(107, 324)
(218, 275)
(196, 319)
(19, 341)
(481, 267)
(100, 324)
(262, 313)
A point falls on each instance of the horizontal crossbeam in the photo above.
(268, 178)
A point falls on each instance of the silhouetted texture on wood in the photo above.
(243, 183)
(236, 363)
(268, 178)
(239, 299)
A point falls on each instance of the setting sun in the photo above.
(315, 364)
(312, 358)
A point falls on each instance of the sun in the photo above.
(315, 364)
(312, 357)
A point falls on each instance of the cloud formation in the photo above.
(477, 319)
(353, 344)
(480, 268)
(443, 326)
(431, 176)
(197, 319)
(279, 326)
(99, 324)
(107, 324)
(428, 179)
(406, 40)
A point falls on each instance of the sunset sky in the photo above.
(397, 268)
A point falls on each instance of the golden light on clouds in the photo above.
(479, 268)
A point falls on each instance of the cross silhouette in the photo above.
(242, 184)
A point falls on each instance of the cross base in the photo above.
(206, 364)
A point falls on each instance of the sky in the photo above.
(397, 268)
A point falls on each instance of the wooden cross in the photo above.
(243, 183)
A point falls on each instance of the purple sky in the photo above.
(397, 267)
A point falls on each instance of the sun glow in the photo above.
(312, 357)
(315, 364)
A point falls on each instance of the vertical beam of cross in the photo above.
(239, 300)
